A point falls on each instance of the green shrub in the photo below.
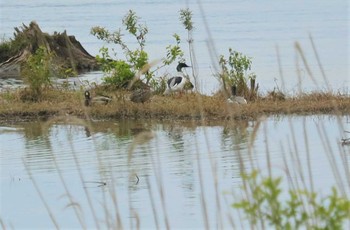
(120, 75)
(119, 72)
(187, 22)
(37, 71)
(174, 52)
(302, 209)
(235, 72)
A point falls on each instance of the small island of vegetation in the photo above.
(39, 58)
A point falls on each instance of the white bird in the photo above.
(234, 99)
(178, 83)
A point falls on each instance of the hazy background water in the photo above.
(175, 154)
(254, 28)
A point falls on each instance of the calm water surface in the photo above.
(179, 157)
(255, 28)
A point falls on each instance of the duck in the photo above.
(178, 83)
(140, 95)
(98, 99)
(234, 99)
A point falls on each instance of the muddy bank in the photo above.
(186, 107)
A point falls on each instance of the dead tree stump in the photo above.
(68, 52)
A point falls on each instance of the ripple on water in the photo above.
(185, 160)
(10, 84)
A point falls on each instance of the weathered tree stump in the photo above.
(68, 52)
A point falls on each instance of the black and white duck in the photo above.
(178, 83)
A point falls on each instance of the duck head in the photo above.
(87, 95)
(87, 98)
(181, 65)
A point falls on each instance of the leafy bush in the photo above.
(119, 72)
(37, 71)
(174, 51)
(235, 72)
(302, 209)
(122, 70)
(187, 22)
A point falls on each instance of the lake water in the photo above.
(254, 28)
(82, 171)
(181, 159)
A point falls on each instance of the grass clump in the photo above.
(302, 209)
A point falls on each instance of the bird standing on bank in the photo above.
(178, 83)
(140, 95)
(98, 99)
(234, 99)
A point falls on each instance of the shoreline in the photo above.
(192, 106)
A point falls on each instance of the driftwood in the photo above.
(68, 52)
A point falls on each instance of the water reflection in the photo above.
(235, 134)
(168, 155)
(175, 135)
(37, 145)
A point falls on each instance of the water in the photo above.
(254, 28)
(177, 158)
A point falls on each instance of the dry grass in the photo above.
(182, 107)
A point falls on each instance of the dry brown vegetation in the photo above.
(15, 106)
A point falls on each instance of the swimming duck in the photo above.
(236, 99)
(98, 99)
(178, 83)
(140, 95)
